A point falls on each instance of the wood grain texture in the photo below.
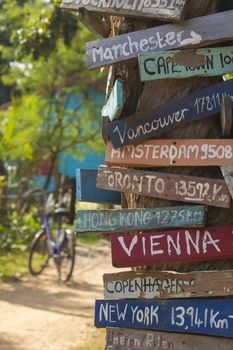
(172, 115)
(210, 317)
(94, 24)
(168, 10)
(157, 153)
(88, 192)
(167, 186)
(186, 63)
(115, 102)
(226, 116)
(167, 285)
(195, 32)
(131, 339)
(227, 171)
(126, 220)
(212, 243)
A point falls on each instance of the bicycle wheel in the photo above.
(66, 261)
(39, 253)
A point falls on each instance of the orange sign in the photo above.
(155, 153)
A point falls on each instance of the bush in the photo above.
(19, 230)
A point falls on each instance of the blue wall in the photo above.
(68, 164)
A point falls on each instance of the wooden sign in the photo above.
(128, 339)
(169, 10)
(155, 121)
(166, 186)
(199, 31)
(155, 153)
(186, 63)
(115, 103)
(126, 220)
(226, 116)
(88, 192)
(167, 285)
(227, 171)
(184, 245)
(209, 317)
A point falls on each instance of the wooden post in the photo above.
(172, 111)
(159, 93)
(226, 116)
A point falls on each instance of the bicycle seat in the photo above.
(61, 212)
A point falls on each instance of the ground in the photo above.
(39, 313)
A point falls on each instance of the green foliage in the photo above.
(18, 233)
(43, 65)
(228, 76)
(33, 27)
(13, 265)
(42, 69)
(19, 128)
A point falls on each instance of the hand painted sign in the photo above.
(183, 245)
(167, 285)
(167, 10)
(155, 121)
(167, 186)
(155, 153)
(227, 171)
(88, 192)
(210, 317)
(115, 103)
(186, 63)
(197, 31)
(128, 339)
(125, 220)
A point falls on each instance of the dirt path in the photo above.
(39, 313)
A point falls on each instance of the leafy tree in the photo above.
(43, 68)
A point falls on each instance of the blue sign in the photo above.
(200, 316)
(155, 121)
(88, 192)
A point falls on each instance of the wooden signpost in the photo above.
(182, 302)
(167, 186)
(155, 153)
(227, 171)
(167, 285)
(94, 24)
(184, 245)
(125, 220)
(155, 121)
(88, 192)
(226, 116)
(115, 103)
(169, 10)
(209, 317)
(186, 63)
(199, 31)
(128, 339)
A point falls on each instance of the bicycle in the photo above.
(61, 247)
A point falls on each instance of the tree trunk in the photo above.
(52, 167)
(141, 97)
(3, 192)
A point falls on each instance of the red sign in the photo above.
(179, 245)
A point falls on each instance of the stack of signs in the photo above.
(165, 310)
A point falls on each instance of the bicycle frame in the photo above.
(54, 245)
